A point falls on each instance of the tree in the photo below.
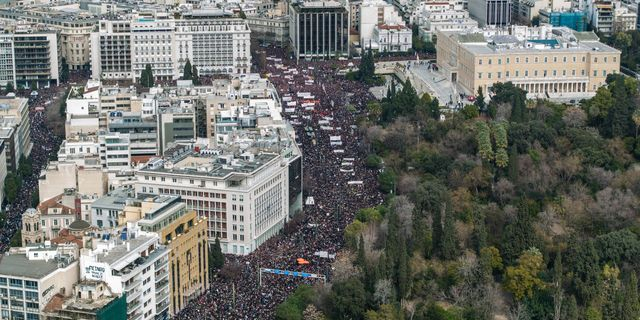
(631, 303)
(12, 185)
(9, 87)
(34, 85)
(518, 234)
(449, 250)
(470, 111)
(187, 71)
(386, 312)
(587, 278)
(147, 79)
(194, 75)
(351, 234)
(558, 293)
(16, 240)
(217, 258)
(570, 309)
(361, 258)
(523, 279)
(479, 102)
(348, 299)
(64, 73)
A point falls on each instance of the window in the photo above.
(574, 58)
(517, 60)
(489, 75)
(499, 61)
(545, 60)
(605, 59)
(555, 59)
(489, 61)
(595, 59)
(526, 73)
(604, 73)
(31, 295)
(535, 60)
(16, 294)
(595, 73)
(507, 60)
(17, 283)
(3, 281)
(535, 73)
(480, 61)
(517, 73)
(31, 284)
(507, 74)
(526, 60)
(479, 75)
(499, 75)
(564, 59)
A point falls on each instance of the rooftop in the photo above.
(17, 265)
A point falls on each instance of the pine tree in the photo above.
(479, 231)
(570, 309)
(146, 78)
(361, 259)
(480, 101)
(9, 87)
(558, 294)
(587, 275)
(217, 258)
(631, 303)
(195, 76)
(513, 164)
(186, 72)
(436, 227)
(449, 237)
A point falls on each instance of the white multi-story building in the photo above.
(31, 276)
(115, 151)
(392, 38)
(7, 60)
(121, 49)
(134, 263)
(450, 19)
(624, 19)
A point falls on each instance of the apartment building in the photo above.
(89, 300)
(31, 276)
(185, 234)
(601, 16)
(491, 12)
(111, 50)
(142, 131)
(3, 169)
(37, 60)
(624, 19)
(7, 61)
(74, 30)
(319, 29)
(545, 62)
(115, 151)
(269, 28)
(175, 124)
(15, 127)
(132, 263)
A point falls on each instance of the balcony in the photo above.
(132, 285)
(162, 283)
(133, 306)
(162, 296)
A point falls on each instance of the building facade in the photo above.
(319, 29)
(7, 61)
(37, 61)
(575, 20)
(564, 62)
(185, 234)
(491, 12)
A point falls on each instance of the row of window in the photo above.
(546, 60)
(544, 73)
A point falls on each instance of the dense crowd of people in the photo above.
(337, 193)
(44, 143)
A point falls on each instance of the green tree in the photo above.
(470, 111)
(558, 293)
(570, 309)
(361, 258)
(194, 75)
(479, 102)
(522, 280)
(387, 181)
(217, 258)
(518, 234)
(293, 307)
(386, 312)
(587, 278)
(34, 85)
(349, 299)
(631, 303)
(187, 71)
(64, 72)
(12, 185)
(147, 79)
(450, 249)
(16, 240)
(351, 234)
(25, 167)
(9, 87)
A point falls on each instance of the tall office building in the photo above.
(7, 60)
(319, 29)
(491, 12)
(36, 56)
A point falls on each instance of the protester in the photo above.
(336, 201)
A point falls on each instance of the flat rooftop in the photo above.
(17, 265)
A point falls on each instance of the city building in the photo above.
(49, 218)
(491, 12)
(624, 19)
(36, 55)
(575, 19)
(601, 16)
(545, 61)
(134, 264)
(15, 127)
(106, 210)
(449, 19)
(185, 234)
(7, 61)
(74, 29)
(86, 177)
(176, 124)
(141, 129)
(31, 276)
(90, 300)
(319, 29)
(269, 28)
(115, 151)
(524, 11)
(382, 29)
(122, 48)
(3, 170)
